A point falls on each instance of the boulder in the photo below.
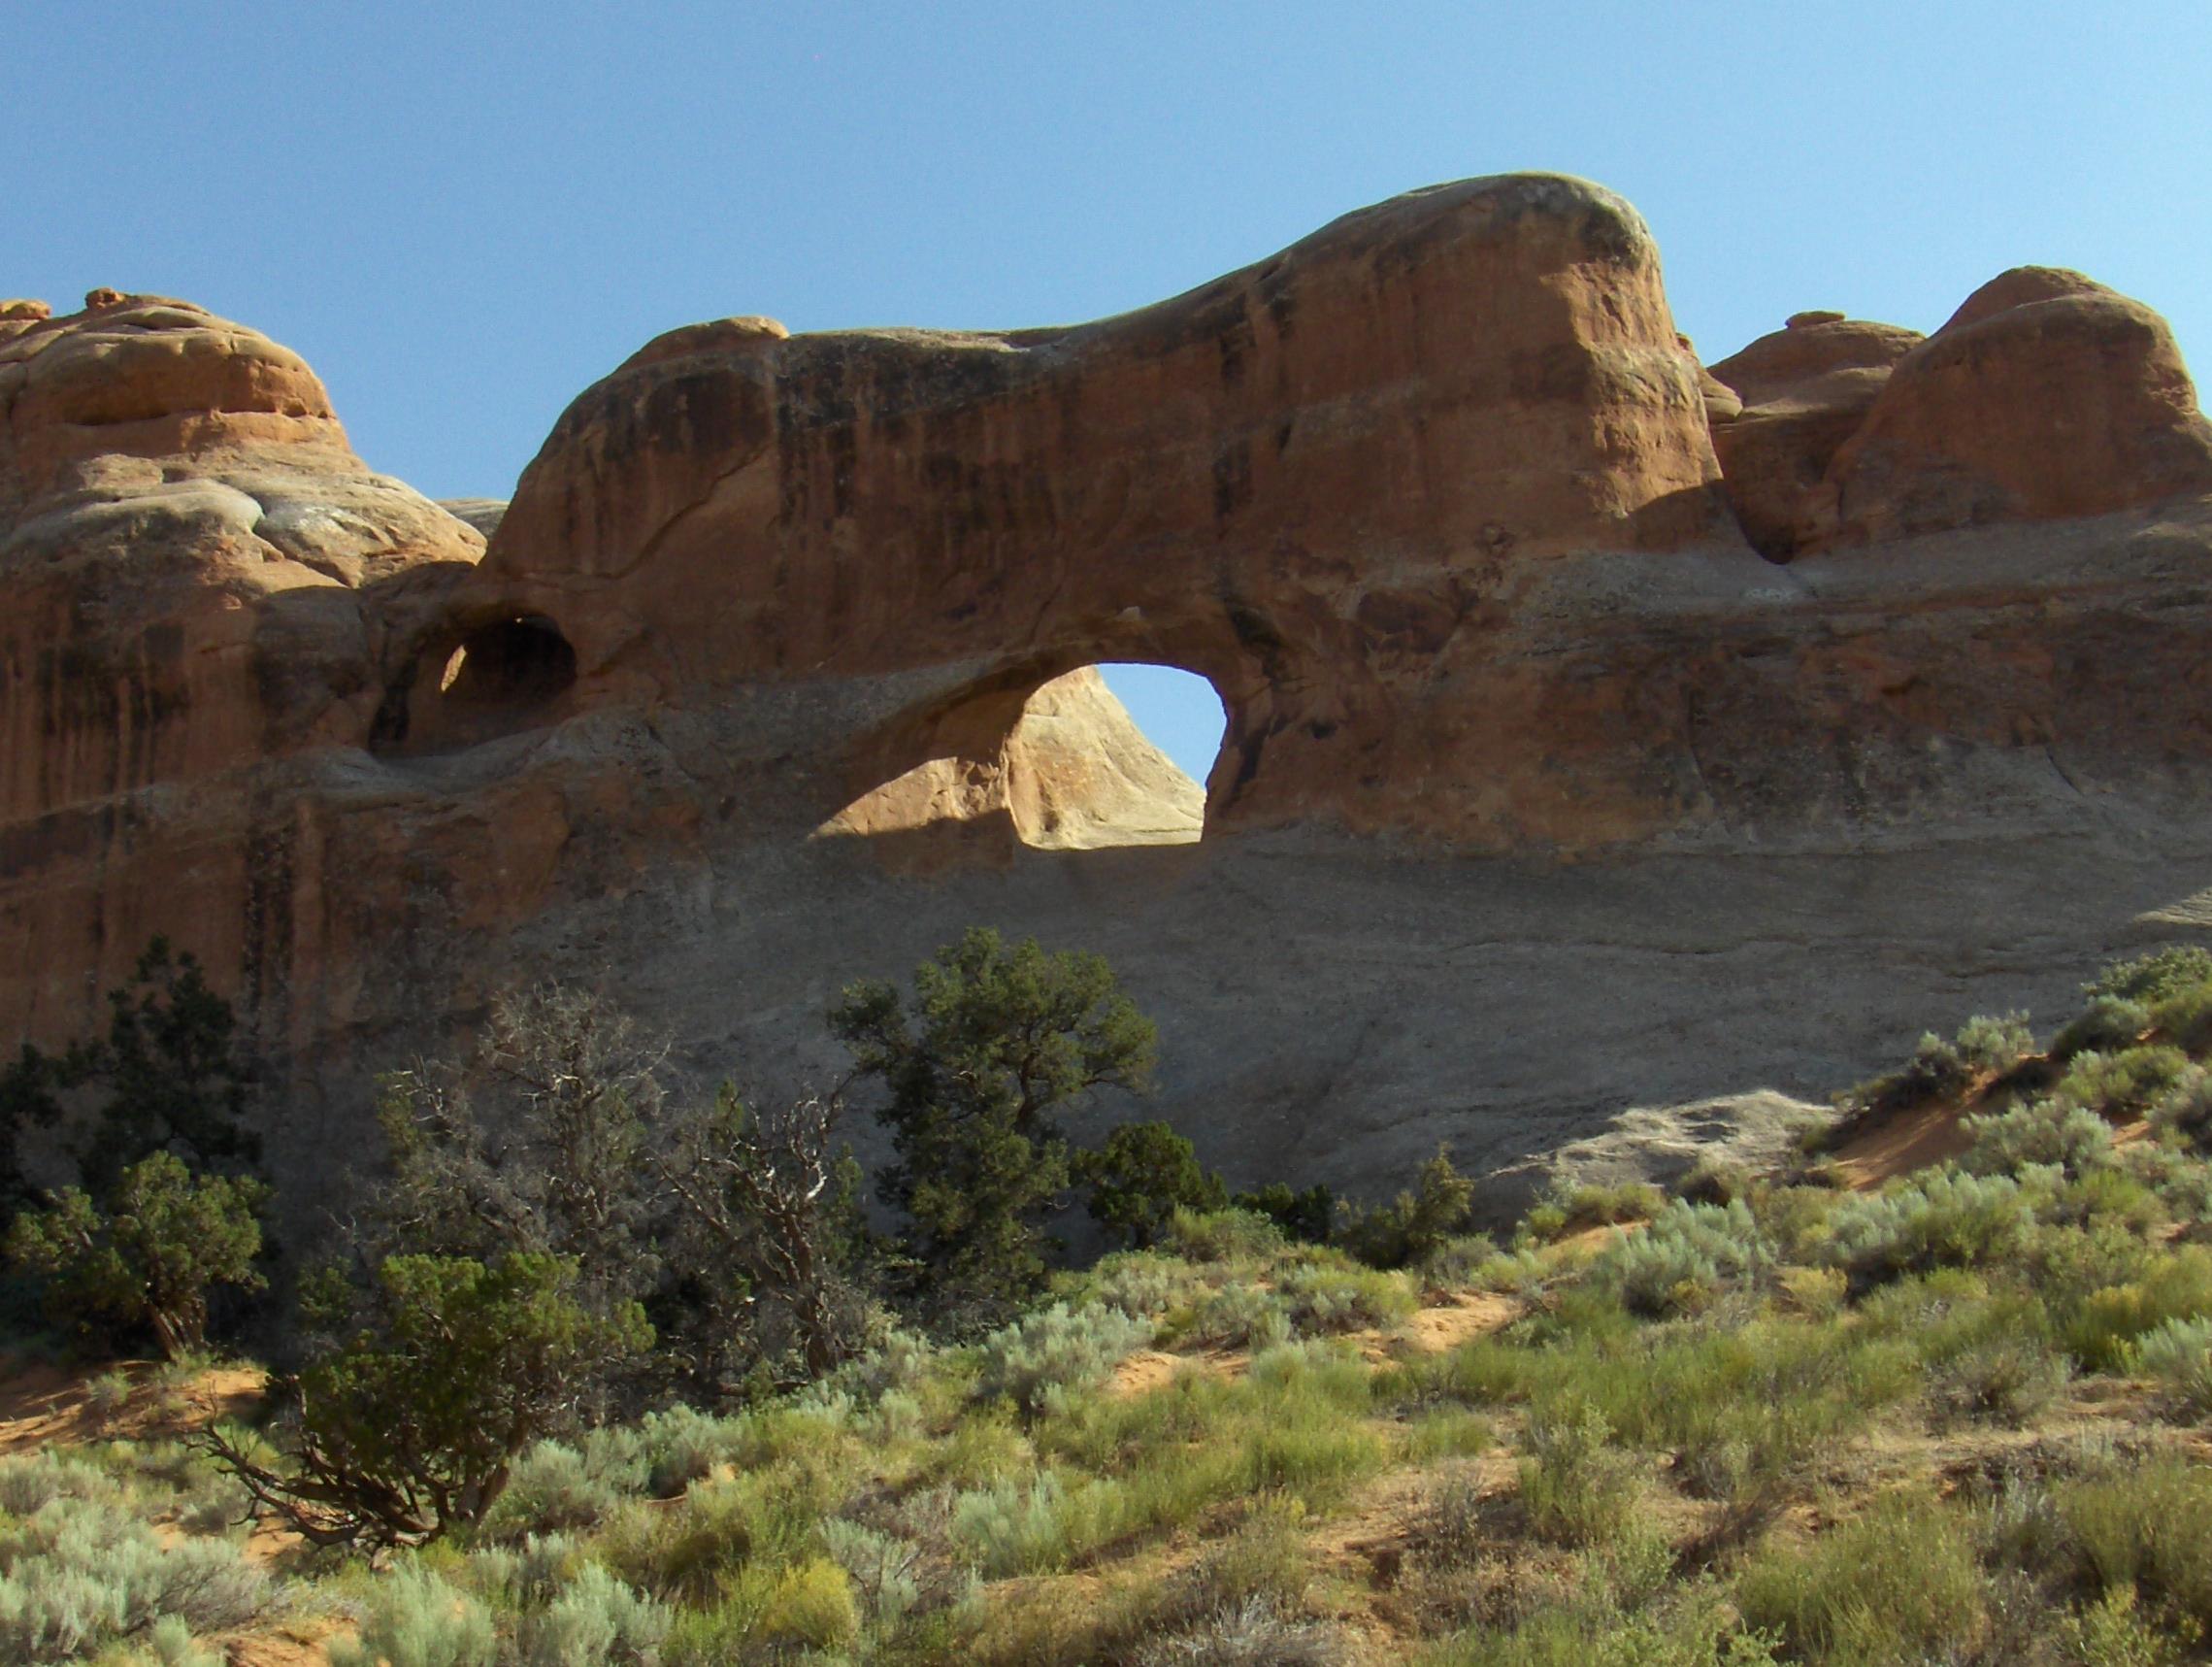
(2047, 397)
(1803, 391)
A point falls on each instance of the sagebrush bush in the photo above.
(2185, 1020)
(2183, 1113)
(1238, 1315)
(1223, 1236)
(2108, 1024)
(1575, 1488)
(1899, 1584)
(1254, 1633)
(883, 1568)
(552, 1489)
(2178, 1355)
(1322, 1298)
(413, 1618)
(2159, 975)
(1940, 1219)
(2121, 1084)
(2147, 1525)
(2101, 1327)
(592, 1621)
(1057, 1348)
(1683, 1258)
(1995, 1044)
(2005, 1381)
(2047, 1132)
(78, 1574)
(1014, 1526)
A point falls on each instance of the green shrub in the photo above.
(1415, 1223)
(2123, 1084)
(1595, 1204)
(413, 1618)
(1686, 1255)
(1942, 1219)
(2159, 975)
(1323, 1298)
(2107, 1024)
(1575, 1489)
(1459, 1262)
(2185, 1020)
(1144, 1174)
(2146, 1525)
(882, 1566)
(2007, 1381)
(593, 1620)
(812, 1604)
(165, 1238)
(1224, 1236)
(2183, 1113)
(1266, 1559)
(1899, 1584)
(2101, 1328)
(550, 1490)
(1057, 1348)
(1936, 1071)
(2178, 1355)
(1254, 1633)
(1013, 1527)
(1239, 1315)
(1715, 1180)
(1308, 1216)
(1995, 1044)
(2041, 1132)
(79, 1575)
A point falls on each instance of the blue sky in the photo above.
(463, 215)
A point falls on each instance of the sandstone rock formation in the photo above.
(1803, 391)
(199, 577)
(1541, 790)
(2047, 397)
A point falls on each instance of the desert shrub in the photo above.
(1942, 1219)
(1307, 1215)
(1608, 1203)
(2041, 1132)
(1321, 1298)
(1223, 1236)
(2159, 975)
(441, 1370)
(1014, 1526)
(2183, 1113)
(1575, 1489)
(2108, 1024)
(1266, 1559)
(2178, 1355)
(1460, 1261)
(1413, 1225)
(551, 1489)
(1995, 1044)
(1238, 1315)
(1683, 1258)
(30, 1481)
(2146, 1525)
(1714, 1180)
(1056, 1348)
(413, 1618)
(1146, 1284)
(1449, 1530)
(1817, 1293)
(882, 1566)
(591, 1619)
(1897, 1584)
(2121, 1084)
(2005, 1381)
(1144, 1174)
(682, 1445)
(1254, 1633)
(2100, 1330)
(79, 1575)
(1936, 1071)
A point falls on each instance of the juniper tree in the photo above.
(974, 1070)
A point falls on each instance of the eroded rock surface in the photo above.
(1543, 793)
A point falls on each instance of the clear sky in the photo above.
(462, 213)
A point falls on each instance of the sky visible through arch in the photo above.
(462, 215)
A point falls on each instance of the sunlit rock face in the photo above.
(1544, 788)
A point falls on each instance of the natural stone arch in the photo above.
(500, 671)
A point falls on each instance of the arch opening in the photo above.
(1054, 759)
(476, 685)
